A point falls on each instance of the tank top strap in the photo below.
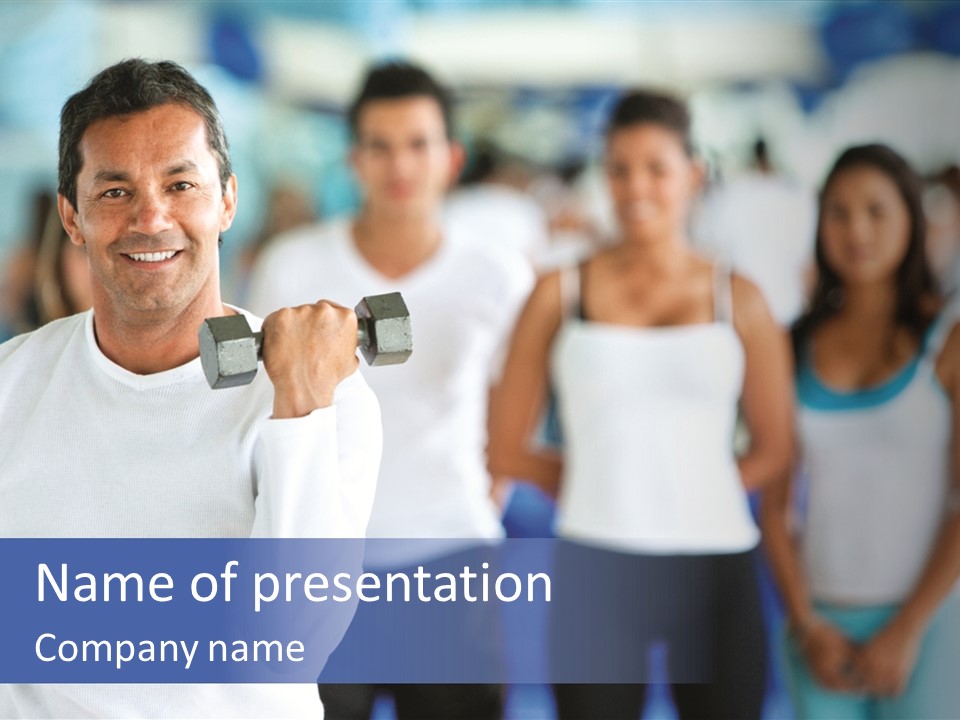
(722, 293)
(570, 298)
(937, 333)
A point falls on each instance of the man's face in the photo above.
(150, 210)
(402, 156)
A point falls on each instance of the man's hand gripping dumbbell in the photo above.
(230, 351)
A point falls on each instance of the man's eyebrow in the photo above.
(182, 167)
(110, 176)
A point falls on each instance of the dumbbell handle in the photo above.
(363, 337)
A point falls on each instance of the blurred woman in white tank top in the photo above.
(650, 349)
(866, 546)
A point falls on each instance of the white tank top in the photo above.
(875, 479)
(648, 417)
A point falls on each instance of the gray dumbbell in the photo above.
(230, 351)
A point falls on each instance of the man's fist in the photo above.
(307, 351)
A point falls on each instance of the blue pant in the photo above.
(934, 687)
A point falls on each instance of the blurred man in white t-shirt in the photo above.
(463, 297)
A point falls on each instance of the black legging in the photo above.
(705, 608)
(415, 702)
(392, 643)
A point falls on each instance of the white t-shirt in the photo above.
(90, 449)
(763, 227)
(463, 302)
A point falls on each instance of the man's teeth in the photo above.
(153, 256)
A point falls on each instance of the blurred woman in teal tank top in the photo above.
(868, 579)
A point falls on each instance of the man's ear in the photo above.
(68, 216)
(229, 204)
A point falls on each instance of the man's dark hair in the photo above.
(643, 107)
(395, 80)
(128, 87)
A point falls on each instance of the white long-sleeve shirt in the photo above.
(89, 449)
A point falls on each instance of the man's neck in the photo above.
(145, 343)
(395, 246)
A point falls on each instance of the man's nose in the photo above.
(150, 213)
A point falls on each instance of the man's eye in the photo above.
(115, 193)
(181, 186)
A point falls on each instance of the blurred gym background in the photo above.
(533, 79)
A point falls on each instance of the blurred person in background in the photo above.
(493, 205)
(869, 571)
(762, 225)
(62, 285)
(18, 308)
(289, 206)
(573, 234)
(941, 204)
(650, 347)
(463, 298)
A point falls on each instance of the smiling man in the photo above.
(118, 434)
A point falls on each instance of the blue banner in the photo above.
(214, 611)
